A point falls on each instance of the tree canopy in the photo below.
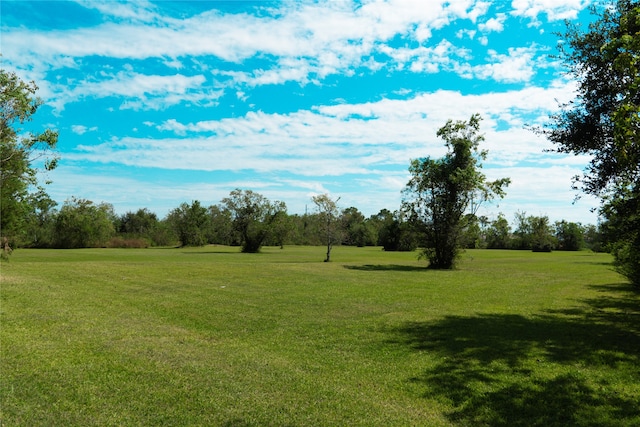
(441, 190)
(254, 217)
(19, 152)
(603, 121)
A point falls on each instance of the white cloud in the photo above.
(302, 42)
(140, 10)
(555, 10)
(493, 24)
(137, 91)
(356, 137)
(516, 66)
(81, 129)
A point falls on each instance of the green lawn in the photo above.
(212, 337)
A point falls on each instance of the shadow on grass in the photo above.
(562, 368)
(386, 267)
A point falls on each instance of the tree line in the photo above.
(249, 220)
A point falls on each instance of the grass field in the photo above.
(212, 337)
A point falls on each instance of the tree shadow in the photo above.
(552, 369)
(386, 267)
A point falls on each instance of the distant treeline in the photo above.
(81, 223)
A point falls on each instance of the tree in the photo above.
(357, 230)
(330, 227)
(622, 216)
(570, 236)
(142, 223)
(189, 223)
(396, 234)
(39, 228)
(499, 233)
(220, 230)
(441, 190)
(604, 119)
(83, 224)
(20, 153)
(253, 216)
(523, 234)
(542, 239)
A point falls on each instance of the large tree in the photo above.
(83, 224)
(22, 153)
(603, 121)
(254, 217)
(189, 222)
(441, 191)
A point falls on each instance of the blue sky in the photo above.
(159, 103)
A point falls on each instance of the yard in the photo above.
(210, 336)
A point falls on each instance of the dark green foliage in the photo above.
(396, 234)
(83, 224)
(594, 238)
(189, 223)
(220, 230)
(498, 234)
(441, 190)
(623, 228)
(542, 239)
(39, 221)
(141, 223)
(18, 151)
(533, 233)
(358, 231)
(570, 236)
(604, 119)
(254, 217)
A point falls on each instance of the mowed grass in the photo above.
(209, 336)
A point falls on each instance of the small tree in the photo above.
(329, 220)
(441, 190)
(254, 217)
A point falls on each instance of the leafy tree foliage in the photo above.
(140, 223)
(254, 217)
(19, 153)
(604, 120)
(189, 222)
(329, 221)
(542, 239)
(358, 231)
(569, 235)
(498, 234)
(83, 224)
(396, 234)
(533, 233)
(220, 230)
(39, 228)
(441, 190)
(622, 216)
